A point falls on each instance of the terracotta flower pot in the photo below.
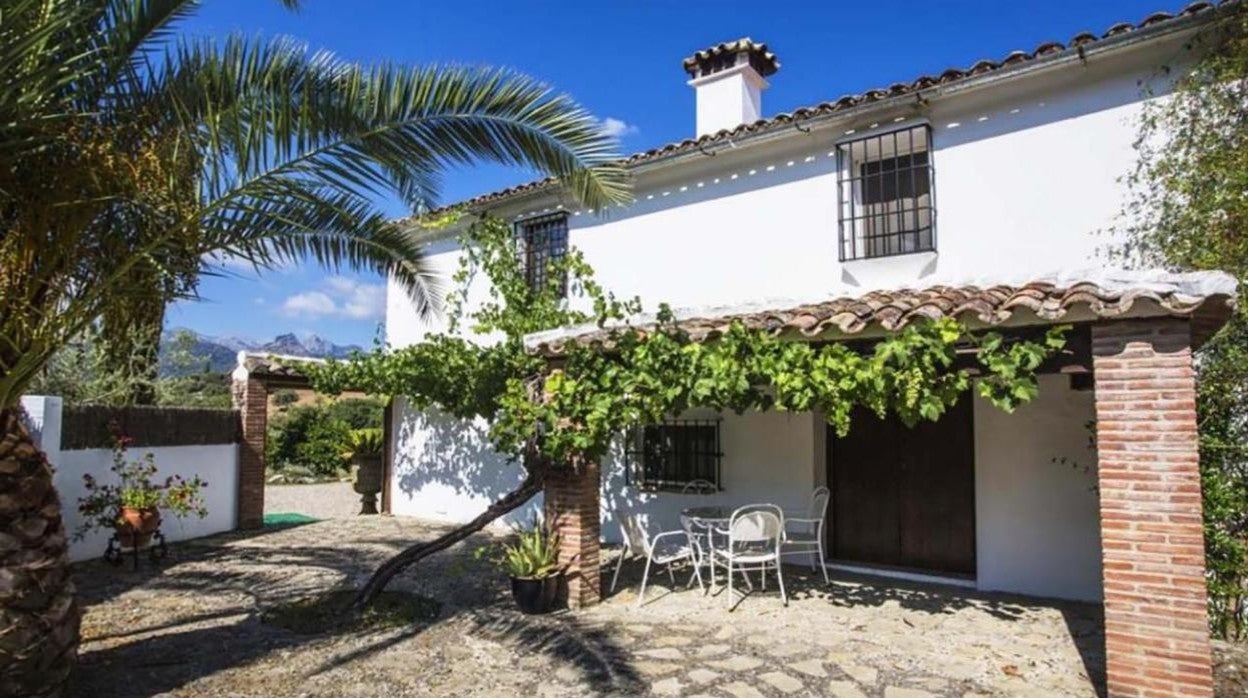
(136, 526)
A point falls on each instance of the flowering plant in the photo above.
(137, 488)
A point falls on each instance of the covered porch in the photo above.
(1091, 492)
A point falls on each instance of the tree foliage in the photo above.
(1188, 210)
(559, 414)
(128, 156)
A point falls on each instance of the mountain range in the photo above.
(220, 354)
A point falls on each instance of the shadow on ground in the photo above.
(198, 615)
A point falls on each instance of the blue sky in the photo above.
(622, 61)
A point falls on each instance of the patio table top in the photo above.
(711, 513)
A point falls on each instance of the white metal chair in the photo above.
(664, 548)
(755, 533)
(699, 487)
(807, 535)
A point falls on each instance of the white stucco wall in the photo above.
(216, 464)
(1037, 525)
(445, 470)
(768, 457)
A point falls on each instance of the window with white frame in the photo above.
(543, 240)
(674, 453)
(885, 194)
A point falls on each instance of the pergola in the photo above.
(1133, 334)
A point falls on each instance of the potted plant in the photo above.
(365, 448)
(532, 563)
(132, 505)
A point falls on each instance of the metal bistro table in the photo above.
(701, 523)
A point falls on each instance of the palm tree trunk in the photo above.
(39, 617)
(532, 484)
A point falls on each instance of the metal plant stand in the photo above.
(156, 548)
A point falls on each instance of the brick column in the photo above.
(1156, 622)
(251, 399)
(572, 504)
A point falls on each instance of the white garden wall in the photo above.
(217, 464)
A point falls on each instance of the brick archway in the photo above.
(254, 378)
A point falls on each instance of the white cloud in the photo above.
(310, 303)
(617, 128)
(341, 297)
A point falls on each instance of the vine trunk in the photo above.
(533, 483)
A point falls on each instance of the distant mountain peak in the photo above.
(219, 354)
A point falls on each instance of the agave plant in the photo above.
(364, 443)
(128, 156)
(533, 555)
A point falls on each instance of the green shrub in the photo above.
(358, 413)
(285, 398)
(307, 437)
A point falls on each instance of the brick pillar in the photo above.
(572, 504)
(251, 399)
(1156, 622)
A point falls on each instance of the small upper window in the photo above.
(884, 188)
(675, 455)
(543, 241)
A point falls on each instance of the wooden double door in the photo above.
(904, 497)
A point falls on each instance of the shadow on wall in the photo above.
(445, 469)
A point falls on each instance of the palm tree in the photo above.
(127, 156)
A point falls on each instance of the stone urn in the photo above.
(368, 474)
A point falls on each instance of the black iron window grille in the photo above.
(543, 241)
(885, 190)
(672, 454)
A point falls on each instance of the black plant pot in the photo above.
(535, 595)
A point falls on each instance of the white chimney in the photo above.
(728, 79)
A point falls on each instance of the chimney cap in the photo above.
(722, 56)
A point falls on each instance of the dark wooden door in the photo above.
(905, 497)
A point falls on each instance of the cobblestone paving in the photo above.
(191, 628)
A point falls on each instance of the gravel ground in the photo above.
(190, 627)
(329, 500)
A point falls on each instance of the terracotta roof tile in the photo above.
(1206, 297)
(764, 60)
(1043, 50)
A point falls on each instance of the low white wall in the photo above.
(216, 464)
(1037, 520)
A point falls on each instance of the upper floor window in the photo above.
(678, 455)
(542, 241)
(884, 189)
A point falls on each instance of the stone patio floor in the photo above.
(191, 627)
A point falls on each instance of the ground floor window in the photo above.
(673, 454)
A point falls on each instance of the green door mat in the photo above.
(288, 519)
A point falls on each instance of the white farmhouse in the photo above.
(976, 193)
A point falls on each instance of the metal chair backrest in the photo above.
(819, 503)
(756, 523)
(634, 532)
(699, 487)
